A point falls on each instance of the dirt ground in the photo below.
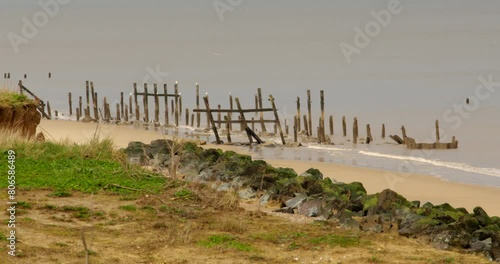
(173, 228)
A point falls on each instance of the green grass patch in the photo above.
(60, 193)
(279, 238)
(336, 240)
(183, 193)
(225, 241)
(128, 207)
(89, 168)
(8, 98)
(23, 204)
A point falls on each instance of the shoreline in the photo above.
(425, 188)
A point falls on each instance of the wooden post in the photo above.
(306, 126)
(403, 130)
(187, 116)
(275, 129)
(176, 113)
(331, 125)
(165, 99)
(108, 111)
(243, 122)
(118, 118)
(137, 111)
(20, 84)
(309, 110)
(192, 119)
(125, 116)
(50, 76)
(296, 121)
(48, 109)
(369, 137)
(438, 137)
(344, 126)
(256, 103)
(211, 120)
(80, 106)
(355, 131)
(88, 99)
(322, 106)
(77, 114)
(253, 123)
(383, 130)
(286, 127)
(130, 104)
(219, 116)
(230, 115)
(157, 104)
(57, 113)
(298, 113)
(145, 102)
(122, 105)
(198, 115)
(262, 125)
(273, 105)
(228, 131)
(94, 102)
(96, 109)
(105, 109)
(70, 104)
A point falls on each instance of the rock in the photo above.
(478, 246)
(495, 247)
(269, 144)
(294, 202)
(135, 152)
(312, 172)
(387, 202)
(264, 199)
(286, 210)
(293, 145)
(349, 223)
(310, 208)
(224, 187)
(455, 238)
(247, 193)
(415, 204)
(372, 223)
(481, 216)
(409, 226)
(40, 137)
(88, 119)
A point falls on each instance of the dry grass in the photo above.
(197, 231)
(10, 98)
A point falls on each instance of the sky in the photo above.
(430, 55)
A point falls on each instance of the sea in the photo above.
(406, 64)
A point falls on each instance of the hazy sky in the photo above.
(433, 51)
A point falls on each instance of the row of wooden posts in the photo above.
(225, 116)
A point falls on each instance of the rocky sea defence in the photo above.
(310, 193)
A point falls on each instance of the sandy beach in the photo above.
(424, 188)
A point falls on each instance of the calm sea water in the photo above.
(419, 68)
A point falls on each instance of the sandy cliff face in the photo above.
(21, 119)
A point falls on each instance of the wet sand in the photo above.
(424, 188)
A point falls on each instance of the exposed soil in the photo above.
(21, 119)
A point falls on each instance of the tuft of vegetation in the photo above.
(225, 241)
(89, 168)
(8, 98)
(128, 207)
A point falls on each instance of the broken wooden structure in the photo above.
(41, 103)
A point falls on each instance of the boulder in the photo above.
(294, 202)
(310, 208)
(247, 193)
(495, 247)
(481, 216)
(312, 172)
(387, 202)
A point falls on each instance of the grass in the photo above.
(89, 168)
(225, 241)
(8, 98)
(336, 240)
(128, 207)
